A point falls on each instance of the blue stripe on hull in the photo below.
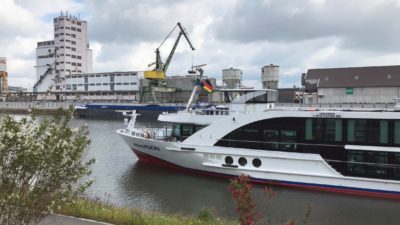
(344, 189)
(135, 107)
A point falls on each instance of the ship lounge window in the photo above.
(288, 140)
(271, 138)
(397, 132)
(271, 134)
(327, 130)
(368, 131)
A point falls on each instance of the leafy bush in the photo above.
(40, 167)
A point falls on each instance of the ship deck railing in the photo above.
(367, 107)
(212, 112)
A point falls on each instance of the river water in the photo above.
(122, 180)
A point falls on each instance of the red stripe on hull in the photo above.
(156, 161)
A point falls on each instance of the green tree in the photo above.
(41, 166)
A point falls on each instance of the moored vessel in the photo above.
(355, 151)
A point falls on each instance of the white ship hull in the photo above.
(303, 170)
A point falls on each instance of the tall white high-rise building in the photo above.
(67, 54)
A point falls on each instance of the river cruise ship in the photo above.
(354, 151)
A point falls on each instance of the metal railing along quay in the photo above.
(42, 105)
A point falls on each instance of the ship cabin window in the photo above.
(182, 131)
(371, 164)
(396, 170)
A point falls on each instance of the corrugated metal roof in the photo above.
(373, 76)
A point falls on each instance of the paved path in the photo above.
(66, 220)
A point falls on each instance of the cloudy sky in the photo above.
(246, 34)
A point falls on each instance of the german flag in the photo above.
(207, 86)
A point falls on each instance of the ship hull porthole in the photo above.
(228, 160)
(242, 161)
(256, 162)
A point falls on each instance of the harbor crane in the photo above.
(158, 73)
(156, 78)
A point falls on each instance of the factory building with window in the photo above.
(64, 68)
(356, 85)
(68, 53)
(115, 81)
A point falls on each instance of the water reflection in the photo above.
(175, 191)
(126, 182)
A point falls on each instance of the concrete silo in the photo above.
(232, 78)
(270, 76)
(3, 75)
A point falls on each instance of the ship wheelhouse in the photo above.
(353, 147)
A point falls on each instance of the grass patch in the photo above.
(105, 212)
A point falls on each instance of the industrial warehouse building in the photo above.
(358, 85)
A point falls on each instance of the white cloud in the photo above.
(40, 8)
(22, 26)
(297, 35)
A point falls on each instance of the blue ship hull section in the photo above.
(134, 107)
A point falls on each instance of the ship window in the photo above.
(317, 129)
(288, 140)
(242, 161)
(368, 131)
(271, 134)
(350, 130)
(183, 131)
(384, 137)
(186, 130)
(228, 160)
(372, 131)
(356, 130)
(256, 162)
(355, 164)
(271, 139)
(329, 131)
(397, 132)
(326, 130)
(375, 168)
(176, 130)
(251, 136)
(396, 170)
(338, 130)
(309, 131)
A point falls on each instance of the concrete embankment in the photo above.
(43, 107)
(68, 220)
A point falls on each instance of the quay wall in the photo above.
(27, 107)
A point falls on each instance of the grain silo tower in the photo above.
(232, 78)
(3, 67)
(270, 76)
(3, 75)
